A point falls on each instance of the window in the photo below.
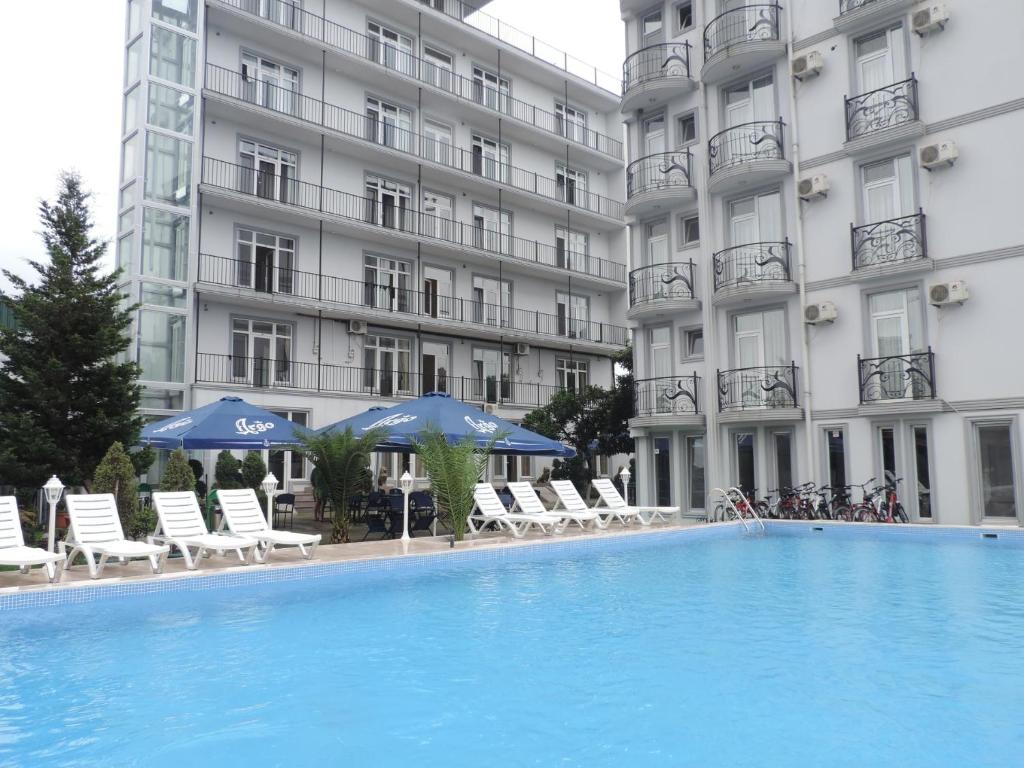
(386, 365)
(389, 124)
(490, 159)
(996, 458)
(572, 375)
(390, 48)
(165, 244)
(659, 352)
(650, 28)
(293, 460)
(168, 169)
(124, 255)
(492, 229)
(162, 345)
(684, 16)
(130, 158)
(888, 190)
(922, 472)
(131, 110)
(172, 57)
(180, 13)
(689, 232)
(746, 475)
(835, 446)
(896, 326)
(887, 453)
(270, 84)
(162, 399)
(132, 67)
(573, 313)
(783, 444)
(571, 122)
(170, 108)
(571, 249)
(261, 352)
(388, 203)
(572, 186)
(163, 295)
(438, 219)
(663, 470)
(486, 374)
(880, 60)
(654, 134)
(283, 12)
(759, 342)
(267, 171)
(490, 90)
(492, 300)
(437, 68)
(695, 456)
(434, 366)
(387, 283)
(686, 129)
(437, 291)
(693, 343)
(437, 142)
(755, 220)
(266, 262)
(127, 197)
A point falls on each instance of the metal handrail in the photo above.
(726, 150)
(654, 282)
(643, 65)
(767, 262)
(768, 16)
(662, 170)
(882, 108)
(753, 510)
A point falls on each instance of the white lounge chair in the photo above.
(618, 507)
(570, 500)
(528, 502)
(96, 530)
(12, 544)
(244, 517)
(488, 509)
(182, 527)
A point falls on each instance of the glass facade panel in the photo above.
(162, 345)
(180, 13)
(132, 67)
(129, 158)
(127, 197)
(172, 57)
(168, 169)
(995, 455)
(922, 472)
(162, 399)
(134, 18)
(170, 108)
(131, 110)
(124, 254)
(125, 221)
(163, 295)
(165, 244)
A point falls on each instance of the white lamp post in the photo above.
(624, 475)
(269, 485)
(53, 489)
(406, 482)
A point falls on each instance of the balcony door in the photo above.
(759, 340)
(387, 284)
(572, 185)
(438, 68)
(490, 89)
(490, 159)
(656, 245)
(888, 189)
(660, 366)
(487, 385)
(388, 124)
(390, 48)
(388, 203)
(573, 313)
(269, 83)
(654, 135)
(492, 300)
(261, 352)
(750, 102)
(435, 367)
(881, 61)
(265, 262)
(571, 248)
(438, 218)
(493, 228)
(386, 365)
(756, 220)
(267, 171)
(437, 292)
(437, 142)
(895, 333)
(572, 123)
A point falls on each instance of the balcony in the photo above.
(667, 401)
(747, 155)
(860, 15)
(659, 181)
(327, 378)
(741, 40)
(897, 379)
(653, 75)
(399, 221)
(765, 393)
(896, 245)
(397, 306)
(883, 117)
(661, 289)
(389, 137)
(365, 50)
(753, 271)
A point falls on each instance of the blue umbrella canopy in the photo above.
(403, 422)
(228, 423)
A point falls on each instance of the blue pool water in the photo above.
(766, 651)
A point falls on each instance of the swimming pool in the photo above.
(791, 649)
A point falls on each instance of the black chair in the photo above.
(284, 506)
(421, 512)
(395, 517)
(377, 522)
(505, 495)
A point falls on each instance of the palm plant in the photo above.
(342, 460)
(454, 469)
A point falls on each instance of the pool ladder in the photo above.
(730, 505)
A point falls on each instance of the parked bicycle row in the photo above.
(879, 503)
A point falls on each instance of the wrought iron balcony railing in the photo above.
(385, 133)
(656, 62)
(897, 377)
(661, 282)
(269, 373)
(766, 387)
(881, 108)
(678, 395)
(756, 21)
(665, 170)
(846, 6)
(400, 216)
(761, 140)
(398, 59)
(884, 243)
(752, 264)
(270, 279)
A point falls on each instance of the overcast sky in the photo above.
(65, 109)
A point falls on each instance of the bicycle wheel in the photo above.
(900, 515)
(841, 513)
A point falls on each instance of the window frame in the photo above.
(680, 143)
(685, 334)
(677, 28)
(974, 478)
(682, 243)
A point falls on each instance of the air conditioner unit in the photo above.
(930, 19)
(522, 348)
(813, 187)
(954, 292)
(825, 312)
(357, 326)
(807, 66)
(945, 153)
(490, 408)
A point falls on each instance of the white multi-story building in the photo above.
(331, 204)
(827, 248)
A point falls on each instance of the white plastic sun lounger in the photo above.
(618, 507)
(181, 526)
(570, 500)
(12, 544)
(528, 502)
(96, 530)
(244, 517)
(488, 509)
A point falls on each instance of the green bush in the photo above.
(178, 474)
(227, 473)
(116, 474)
(253, 470)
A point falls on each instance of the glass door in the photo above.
(437, 292)
(654, 136)
(269, 84)
(895, 334)
(388, 124)
(880, 61)
(386, 368)
(438, 68)
(571, 248)
(695, 473)
(289, 466)
(661, 367)
(490, 90)
(490, 159)
(390, 48)
(434, 367)
(493, 229)
(386, 282)
(656, 249)
(270, 346)
(388, 202)
(746, 475)
(486, 373)
(663, 471)
(268, 172)
(438, 218)
(492, 300)
(572, 123)
(437, 143)
(265, 262)
(572, 186)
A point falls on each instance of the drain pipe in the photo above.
(805, 369)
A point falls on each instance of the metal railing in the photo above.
(752, 264)
(678, 395)
(757, 21)
(745, 143)
(495, 27)
(269, 279)
(661, 282)
(280, 188)
(268, 373)
(881, 108)
(386, 134)
(845, 6)
(893, 241)
(656, 62)
(764, 387)
(664, 170)
(405, 62)
(897, 377)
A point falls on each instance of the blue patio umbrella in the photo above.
(403, 422)
(230, 423)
